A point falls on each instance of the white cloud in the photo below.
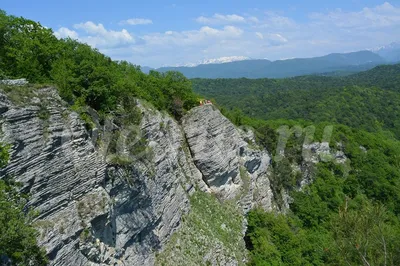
(253, 19)
(65, 33)
(198, 37)
(260, 35)
(232, 31)
(384, 15)
(275, 21)
(136, 21)
(91, 28)
(221, 19)
(98, 36)
(276, 39)
(209, 31)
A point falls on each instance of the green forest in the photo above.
(82, 74)
(368, 100)
(342, 218)
(84, 77)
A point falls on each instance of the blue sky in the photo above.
(156, 33)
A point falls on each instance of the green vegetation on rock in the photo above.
(82, 74)
(210, 226)
(349, 214)
(345, 216)
(18, 244)
(4, 155)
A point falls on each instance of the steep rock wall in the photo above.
(229, 166)
(92, 211)
(100, 205)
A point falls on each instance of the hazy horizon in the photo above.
(157, 34)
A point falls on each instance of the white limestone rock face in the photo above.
(96, 210)
(151, 196)
(316, 152)
(214, 144)
(229, 166)
(93, 212)
(14, 82)
(57, 166)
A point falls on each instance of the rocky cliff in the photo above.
(136, 193)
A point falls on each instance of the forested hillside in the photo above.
(82, 74)
(346, 216)
(368, 100)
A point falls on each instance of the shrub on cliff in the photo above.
(18, 244)
(83, 74)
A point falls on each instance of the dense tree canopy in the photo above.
(348, 215)
(345, 217)
(83, 74)
(341, 218)
(367, 100)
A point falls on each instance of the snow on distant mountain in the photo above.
(220, 60)
(261, 68)
(390, 53)
(393, 45)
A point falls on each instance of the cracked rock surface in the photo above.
(100, 211)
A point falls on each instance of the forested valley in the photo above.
(345, 217)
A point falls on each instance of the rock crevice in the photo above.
(100, 205)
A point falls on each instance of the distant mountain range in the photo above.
(390, 53)
(329, 65)
(220, 60)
